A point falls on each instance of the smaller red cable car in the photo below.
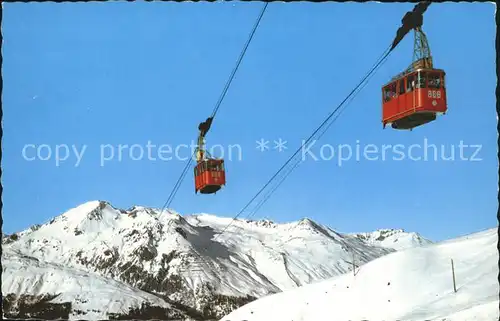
(209, 172)
(414, 98)
(209, 176)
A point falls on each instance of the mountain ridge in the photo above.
(184, 259)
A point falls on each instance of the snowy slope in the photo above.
(415, 284)
(92, 297)
(396, 239)
(187, 259)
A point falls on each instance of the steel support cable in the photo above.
(260, 204)
(242, 54)
(178, 183)
(299, 161)
(380, 61)
(257, 208)
(217, 106)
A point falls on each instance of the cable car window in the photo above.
(212, 166)
(402, 86)
(386, 93)
(410, 83)
(434, 80)
(389, 91)
(421, 79)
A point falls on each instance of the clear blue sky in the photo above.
(128, 73)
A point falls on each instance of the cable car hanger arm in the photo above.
(412, 20)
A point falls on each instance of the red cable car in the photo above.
(416, 96)
(209, 176)
(209, 173)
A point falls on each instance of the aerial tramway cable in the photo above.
(297, 163)
(216, 108)
(380, 61)
(411, 20)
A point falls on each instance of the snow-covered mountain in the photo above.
(97, 261)
(414, 285)
(396, 239)
(72, 292)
